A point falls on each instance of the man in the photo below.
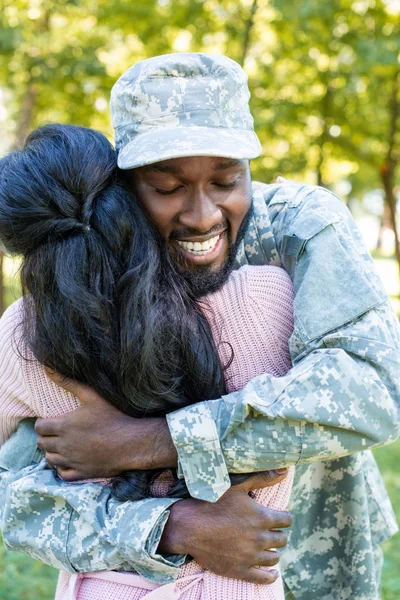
(185, 137)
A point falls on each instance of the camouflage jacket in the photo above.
(340, 398)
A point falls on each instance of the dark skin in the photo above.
(190, 200)
(231, 537)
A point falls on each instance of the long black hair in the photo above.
(103, 302)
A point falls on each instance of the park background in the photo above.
(325, 83)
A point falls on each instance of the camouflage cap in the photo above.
(185, 104)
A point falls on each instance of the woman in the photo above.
(104, 305)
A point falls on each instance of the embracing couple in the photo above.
(200, 351)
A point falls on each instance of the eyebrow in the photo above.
(161, 168)
(228, 164)
(219, 166)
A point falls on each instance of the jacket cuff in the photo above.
(201, 460)
(158, 568)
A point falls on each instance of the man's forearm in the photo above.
(264, 427)
(153, 447)
(44, 517)
(336, 401)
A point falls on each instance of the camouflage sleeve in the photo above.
(342, 394)
(77, 527)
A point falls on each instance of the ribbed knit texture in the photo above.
(252, 315)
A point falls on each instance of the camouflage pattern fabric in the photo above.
(340, 398)
(185, 104)
(77, 527)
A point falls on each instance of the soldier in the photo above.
(185, 137)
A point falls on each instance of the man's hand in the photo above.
(98, 440)
(233, 537)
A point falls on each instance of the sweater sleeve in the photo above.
(14, 399)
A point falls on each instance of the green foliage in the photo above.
(388, 459)
(22, 577)
(321, 73)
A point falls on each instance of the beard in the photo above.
(206, 279)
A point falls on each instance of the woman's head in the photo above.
(49, 188)
(104, 303)
(63, 210)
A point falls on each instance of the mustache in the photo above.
(188, 232)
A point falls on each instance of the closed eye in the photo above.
(227, 186)
(168, 192)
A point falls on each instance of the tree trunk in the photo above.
(388, 169)
(29, 100)
(387, 177)
(25, 116)
(385, 223)
(247, 32)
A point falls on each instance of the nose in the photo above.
(200, 212)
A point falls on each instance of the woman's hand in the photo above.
(98, 440)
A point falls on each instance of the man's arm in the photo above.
(340, 399)
(82, 528)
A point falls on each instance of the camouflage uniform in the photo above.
(339, 398)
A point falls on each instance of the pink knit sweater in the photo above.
(253, 313)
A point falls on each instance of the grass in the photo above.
(388, 459)
(22, 577)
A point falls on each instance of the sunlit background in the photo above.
(325, 83)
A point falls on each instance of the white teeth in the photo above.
(199, 248)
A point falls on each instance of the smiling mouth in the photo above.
(200, 248)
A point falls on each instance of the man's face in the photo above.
(200, 206)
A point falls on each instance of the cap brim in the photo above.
(164, 144)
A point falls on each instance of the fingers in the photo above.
(255, 481)
(85, 393)
(269, 558)
(262, 576)
(276, 519)
(49, 444)
(265, 479)
(49, 427)
(68, 474)
(274, 539)
(56, 460)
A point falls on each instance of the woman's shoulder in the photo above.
(263, 282)
(264, 286)
(14, 310)
(21, 371)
